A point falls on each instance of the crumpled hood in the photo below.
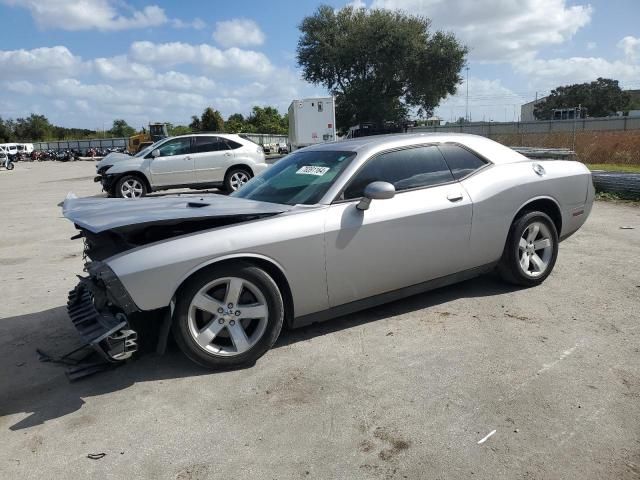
(99, 214)
(112, 158)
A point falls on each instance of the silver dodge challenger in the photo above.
(326, 231)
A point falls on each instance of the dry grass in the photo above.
(621, 148)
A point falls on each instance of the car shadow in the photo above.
(28, 386)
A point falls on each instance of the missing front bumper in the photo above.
(109, 334)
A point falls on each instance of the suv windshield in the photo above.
(299, 178)
(148, 149)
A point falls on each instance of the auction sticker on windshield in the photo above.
(312, 170)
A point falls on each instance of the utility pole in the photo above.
(466, 115)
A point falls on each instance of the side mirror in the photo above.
(376, 191)
(155, 153)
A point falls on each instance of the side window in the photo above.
(209, 144)
(460, 160)
(404, 169)
(177, 146)
(232, 145)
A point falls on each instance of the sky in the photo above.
(83, 63)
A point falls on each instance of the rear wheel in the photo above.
(130, 186)
(236, 178)
(531, 250)
(228, 316)
(10, 166)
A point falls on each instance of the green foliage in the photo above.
(378, 63)
(211, 121)
(267, 120)
(195, 125)
(121, 128)
(34, 127)
(235, 123)
(600, 98)
(175, 130)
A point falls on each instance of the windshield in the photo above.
(148, 149)
(299, 178)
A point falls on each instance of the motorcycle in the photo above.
(8, 163)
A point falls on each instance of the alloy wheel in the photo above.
(238, 179)
(227, 316)
(535, 249)
(131, 188)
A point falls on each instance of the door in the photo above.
(174, 166)
(420, 234)
(212, 156)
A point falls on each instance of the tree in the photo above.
(195, 124)
(34, 127)
(6, 130)
(267, 120)
(377, 63)
(211, 121)
(121, 128)
(235, 123)
(175, 130)
(600, 99)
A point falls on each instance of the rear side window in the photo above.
(460, 160)
(404, 169)
(209, 144)
(232, 145)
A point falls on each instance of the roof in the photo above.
(366, 146)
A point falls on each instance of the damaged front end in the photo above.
(99, 307)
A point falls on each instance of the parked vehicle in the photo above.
(283, 149)
(188, 161)
(326, 231)
(311, 121)
(157, 131)
(5, 161)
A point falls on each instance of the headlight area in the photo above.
(100, 307)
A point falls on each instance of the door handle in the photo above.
(227, 154)
(455, 197)
(187, 157)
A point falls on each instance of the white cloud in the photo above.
(499, 30)
(89, 14)
(239, 32)
(196, 23)
(631, 47)
(549, 73)
(591, 45)
(488, 100)
(120, 68)
(177, 81)
(212, 59)
(48, 61)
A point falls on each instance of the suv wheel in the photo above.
(236, 178)
(130, 186)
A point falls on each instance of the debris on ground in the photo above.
(96, 456)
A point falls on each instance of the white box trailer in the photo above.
(311, 121)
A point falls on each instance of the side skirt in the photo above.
(387, 297)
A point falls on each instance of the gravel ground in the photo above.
(406, 390)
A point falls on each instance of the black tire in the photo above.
(118, 189)
(10, 166)
(275, 318)
(229, 177)
(510, 268)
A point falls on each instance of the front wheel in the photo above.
(130, 186)
(531, 250)
(236, 178)
(229, 316)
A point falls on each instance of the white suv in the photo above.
(198, 161)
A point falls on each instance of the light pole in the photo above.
(466, 117)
